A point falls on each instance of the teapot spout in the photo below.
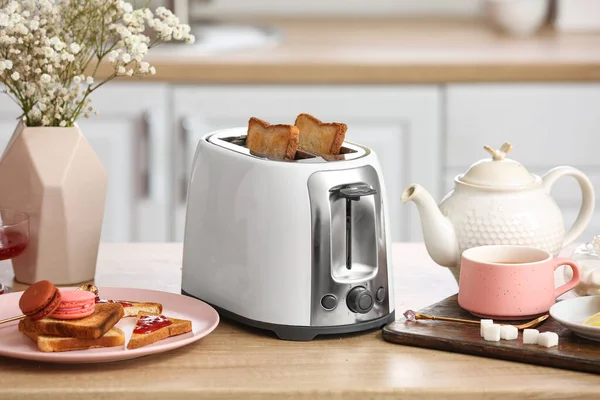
(438, 232)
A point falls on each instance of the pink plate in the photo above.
(204, 320)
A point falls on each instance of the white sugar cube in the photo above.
(530, 336)
(548, 339)
(491, 332)
(509, 332)
(484, 322)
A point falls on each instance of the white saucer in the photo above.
(572, 312)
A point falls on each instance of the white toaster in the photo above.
(298, 247)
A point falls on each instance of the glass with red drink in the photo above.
(14, 236)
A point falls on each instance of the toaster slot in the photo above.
(241, 142)
(238, 143)
(237, 140)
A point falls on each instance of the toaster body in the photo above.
(298, 247)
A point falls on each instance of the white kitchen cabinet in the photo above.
(548, 125)
(129, 135)
(9, 112)
(400, 123)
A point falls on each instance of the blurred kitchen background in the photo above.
(425, 83)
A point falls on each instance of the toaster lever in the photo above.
(352, 193)
(355, 192)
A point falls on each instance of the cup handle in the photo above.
(559, 261)
(586, 210)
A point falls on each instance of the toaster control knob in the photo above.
(360, 300)
(328, 302)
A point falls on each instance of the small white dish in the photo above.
(572, 312)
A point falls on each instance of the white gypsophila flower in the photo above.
(36, 114)
(77, 80)
(23, 29)
(15, 76)
(134, 40)
(177, 34)
(89, 80)
(144, 67)
(58, 44)
(48, 52)
(112, 57)
(141, 48)
(45, 78)
(75, 48)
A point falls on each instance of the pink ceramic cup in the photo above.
(510, 282)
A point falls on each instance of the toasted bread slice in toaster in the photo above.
(277, 141)
(320, 137)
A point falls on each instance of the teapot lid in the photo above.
(498, 171)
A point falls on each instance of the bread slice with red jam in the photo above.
(151, 328)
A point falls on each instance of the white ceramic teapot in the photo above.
(497, 201)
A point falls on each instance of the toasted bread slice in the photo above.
(132, 308)
(137, 307)
(319, 137)
(176, 327)
(46, 343)
(276, 141)
(105, 316)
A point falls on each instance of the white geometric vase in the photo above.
(54, 175)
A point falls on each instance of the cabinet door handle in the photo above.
(184, 136)
(143, 156)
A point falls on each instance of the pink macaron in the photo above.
(75, 304)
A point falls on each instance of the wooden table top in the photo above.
(237, 363)
(387, 51)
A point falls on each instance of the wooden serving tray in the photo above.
(572, 352)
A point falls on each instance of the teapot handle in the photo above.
(587, 201)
